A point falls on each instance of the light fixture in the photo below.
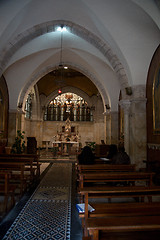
(107, 106)
(59, 91)
(60, 62)
(128, 90)
(61, 66)
(61, 29)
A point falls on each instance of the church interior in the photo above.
(75, 73)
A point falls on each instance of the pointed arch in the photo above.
(76, 29)
(32, 81)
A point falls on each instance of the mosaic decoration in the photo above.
(51, 193)
(47, 215)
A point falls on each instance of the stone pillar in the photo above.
(114, 127)
(108, 128)
(15, 123)
(125, 105)
(138, 132)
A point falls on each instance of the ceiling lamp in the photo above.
(61, 29)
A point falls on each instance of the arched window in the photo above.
(28, 106)
(68, 105)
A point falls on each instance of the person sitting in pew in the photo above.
(121, 157)
(112, 151)
(86, 156)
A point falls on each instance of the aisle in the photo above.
(47, 214)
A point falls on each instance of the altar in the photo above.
(66, 147)
(67, 139)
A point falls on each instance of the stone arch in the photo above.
(32, 81)
(38, 30)
(69, 89)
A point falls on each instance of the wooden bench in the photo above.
(106, 168)
(29, 164)
(117, 210)
(6, 188)
(105, 177)
(18, 176)
(138, 192)
(103, 209)
(126, 209)
(115, 224)
(35, 158)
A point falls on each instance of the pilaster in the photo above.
(125, 105)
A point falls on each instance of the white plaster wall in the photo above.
(131, 33)
(19, 73)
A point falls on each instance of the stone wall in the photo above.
(46, 130)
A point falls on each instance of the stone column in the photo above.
(108, 127)
(125, 105)
(138, 135)
(114, 127)
(14, 124)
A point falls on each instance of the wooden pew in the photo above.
(35, 158)
(126, 209)
(139, 192)
(106, 168)
(125, 224)
(105, 177)
(102, 168)
(29, 165)
(104, 210)
(6, 188)
(17, 170)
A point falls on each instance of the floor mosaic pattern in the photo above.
(47, 215)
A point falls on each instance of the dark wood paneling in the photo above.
(153, 153)
(155, 63)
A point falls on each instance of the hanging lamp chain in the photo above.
(61, 65)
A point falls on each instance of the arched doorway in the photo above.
(153, 113)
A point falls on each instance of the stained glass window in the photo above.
(68, 105)
(28, 106)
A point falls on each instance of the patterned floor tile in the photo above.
(47, 215)
(51, 193)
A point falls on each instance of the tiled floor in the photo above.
(76, 231)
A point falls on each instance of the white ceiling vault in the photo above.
(110, 41)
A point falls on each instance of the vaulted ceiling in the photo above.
(110, 41)
(60, 78)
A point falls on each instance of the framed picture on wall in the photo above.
(156, 102)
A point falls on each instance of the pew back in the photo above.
(104, 177)
(106, 168)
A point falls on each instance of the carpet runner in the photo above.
(47, 214)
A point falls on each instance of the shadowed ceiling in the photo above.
(60, 78)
